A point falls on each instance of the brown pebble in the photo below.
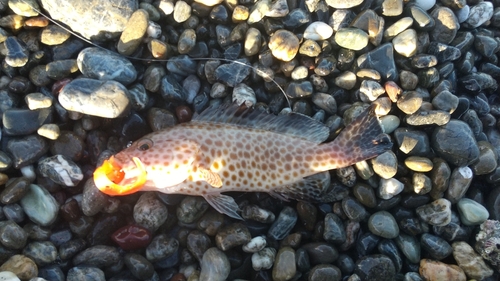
(183, 113)
(178, 277)
(36, 22)
(22, 266)
(435, 270)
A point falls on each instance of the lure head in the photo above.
(151, 163)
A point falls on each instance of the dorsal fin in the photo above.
(292, 124)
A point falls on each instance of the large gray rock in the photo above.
(94, 19)
(455, 143)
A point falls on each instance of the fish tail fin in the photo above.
(362, 139)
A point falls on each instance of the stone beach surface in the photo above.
(413, 213)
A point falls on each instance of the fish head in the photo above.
(151, 161)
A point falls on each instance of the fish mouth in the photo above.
(110, 178)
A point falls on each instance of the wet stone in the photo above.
(61, 170)
(375, 267)
(412, 142)
(405, 43)
(478, 81)
(17, 55)
(214, 265)
(133, 32)
(422, 118)
(43, 253)
(351, 38)
(487, 161)
(85, 273)
(132, 237)
(353, 209)
(233, 73)
(436, 213)
(100, 64)
(18, 122)
(282, 226)
(418, 164)
(254, 212)
(380, 59)
(383, 224)
(39, 205)
(231, 236)
(106, 99)
(191, 209)
(435, 270)
(460, 180)
(471, 212)
(161, 247)
(436, 246)
(100, 256)
(370, 90)
(385, 165)
(443, 52)
(334, 231)
(409, 246)
(446, 101)
(446, 25)
(321, 253)
(389, 188)
(150, 212)
(14, 190)
(284, 266)
(21, 266)
(325, 272)
(139, 266)
(470, 262)
(197, 243)
(479, 14)
(365, 195)
(12, 236)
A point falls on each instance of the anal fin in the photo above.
(224, 204)
(313, 189)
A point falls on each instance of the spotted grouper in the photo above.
(235, 148)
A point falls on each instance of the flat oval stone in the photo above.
(383, 224)
(351, 38)
(471, 212)
(133, 33)
(99, 256)
(284, 265)
(101, 64)
(108, 99)
(40, 206)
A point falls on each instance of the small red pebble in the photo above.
(393, 90)
(58, 85)
(132, 237)
(184, 113)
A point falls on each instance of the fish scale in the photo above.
(235, 148)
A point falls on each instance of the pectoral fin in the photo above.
(224, 204)
(210, 177)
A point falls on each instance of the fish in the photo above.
(233, 147)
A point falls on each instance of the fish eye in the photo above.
(144, 144)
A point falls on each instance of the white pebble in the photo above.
(29, 172)
(256, 244)
(8, 276)
(50, 131)
(425, 4)
(209, 3)
(153, 30)
(166, 6)
(244, 94)
(264, 259)
(318, 30)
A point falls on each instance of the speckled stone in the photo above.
(435, 270)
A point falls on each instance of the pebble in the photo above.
(436, 246)
(325, 272)
(419, 164)
(133, 32)
(161, 247)
(244, 94)
(375, 267)
(254, 212)
(8, 276)
(132, 237)
(17, 55)
(37, 101)
(318, 31)
(282, 226)
(471, 212)
(232, 74)
(150, 212)
(12, 235)
(284, 265)
(42, 253)
(61, 170)
(321, 252)
(231, 236)
(191, 209)
(405, 43)
(263, 259)
(409, 246)
(479, 14)
(385, 165)
(53, 35)
(383, 224)
(14, 190)
(40, 206)
(100, 256)
(436, 213)
(487, 160)
(459, 153)
(460, 180)
(85, 273)
(95, 63)
(284, 45)
(470, 262)
(214, 265)
(255, 245)
(388, 188)
(435, 270)
(380, 59)
(446, 25)
(22, 266)
(334, 230)
(139, 266)
(106, 99)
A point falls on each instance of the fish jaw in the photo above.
(109, 176)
